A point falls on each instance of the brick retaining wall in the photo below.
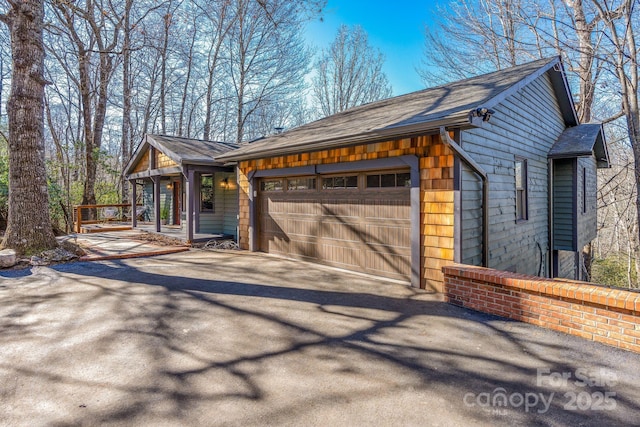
(607, 315)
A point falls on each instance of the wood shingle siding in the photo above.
(144, 162)
(526, 125)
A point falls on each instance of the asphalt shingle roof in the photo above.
(190, 151)
(448, 104)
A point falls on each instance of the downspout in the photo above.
(468, 160)
(550, 256)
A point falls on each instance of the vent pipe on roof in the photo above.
(278, 130)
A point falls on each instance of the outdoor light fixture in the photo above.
(225, 183)
(481, 113)
(169, 186)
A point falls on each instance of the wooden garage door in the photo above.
(362, 229)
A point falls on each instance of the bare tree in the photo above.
(597, 42)
(621, 20)
(349, 73)
(267, 57)
(28, 224)
(93, 31)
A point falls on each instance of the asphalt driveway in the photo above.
(201, 338)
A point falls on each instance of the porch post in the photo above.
(134, 196)
(197, 182)
(156, 201)
(253, 236)
(190, 178)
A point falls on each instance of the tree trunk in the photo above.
(126, 100)
(28, 224)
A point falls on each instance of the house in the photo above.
(494, 170)
(180, 179)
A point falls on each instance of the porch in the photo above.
(90, 219)
(184, 191)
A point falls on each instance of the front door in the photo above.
(177, 197)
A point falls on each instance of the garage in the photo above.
(357, 221)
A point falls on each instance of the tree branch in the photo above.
(614, 117)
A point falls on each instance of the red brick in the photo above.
(629, 302)
(632, 347)
(631, 318)
(581, 334)
(583, 321)
(549, 320)
(622, 337)
(556, 314)
(608, 313)
(583, 308)
(622, 324)
(559, 328)
(571, 324)
(607, 327)
(631, 333)
(595, 330)
(595, 317)
(606, 340)
(511, 299)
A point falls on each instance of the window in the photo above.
(271, 185)
(340, 182)
(294, 184)
(388, 180)
(206, 193)
(521, 190)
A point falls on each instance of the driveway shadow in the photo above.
(255, 339)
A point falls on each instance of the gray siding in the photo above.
(166, 198)
(147, 200)
(587, 221)
(567, 266)
(564, 227)
(525, 125)
(223, 220)
(471, 215)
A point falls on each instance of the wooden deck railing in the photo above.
(96, 214)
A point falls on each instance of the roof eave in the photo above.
(560, 86)
(459, 120)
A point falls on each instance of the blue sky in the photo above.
(394, 27)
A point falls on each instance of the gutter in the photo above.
(377, 135)
(466, 158)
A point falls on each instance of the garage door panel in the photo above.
(342, 208)
(361, 230)
(301, 227)
(387, 209)
(339, 255)
(388, 264)
(339, 230)
(390, 235)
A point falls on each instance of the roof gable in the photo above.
(413, 113)
(582, 140)
(182, 151)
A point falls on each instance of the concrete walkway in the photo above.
(120, 245)
(234, 339)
